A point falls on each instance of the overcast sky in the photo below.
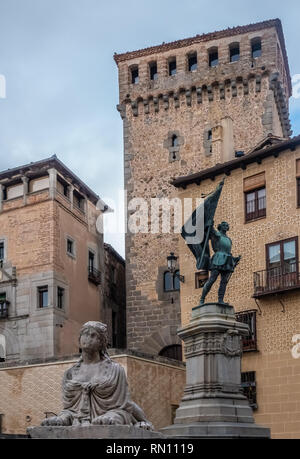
(62, 86)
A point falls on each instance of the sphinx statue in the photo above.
(95, 389)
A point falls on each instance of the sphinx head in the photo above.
(93, 336)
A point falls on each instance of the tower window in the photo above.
(213, 57)
(256, 47)
(172, 67)
(135, 75)
(234, 51)
(192, 62)
(175, 141)
(171, 281)
(153, 71)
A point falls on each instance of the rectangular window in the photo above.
(249, 387)
(2, 250)
(249, 318)
(3, 306)
(235, 53)
(153, 71)
(256, 48)
(298, 191)
(78, 200)
(172, 67)
(282, 264)
(255, 204)
(70, 247)
(192, 62)
(91, 261)
(213, 58)
(60, 297)
(135, 75)
(43, 297)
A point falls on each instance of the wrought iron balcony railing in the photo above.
(276, 280)
(4, 304)
(94, 275)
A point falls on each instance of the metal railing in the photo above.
(94, 275)
(4, 304)
(279, 279)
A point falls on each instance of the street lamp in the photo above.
(172, 263)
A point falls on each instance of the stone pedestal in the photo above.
(95, 432)
(213, 405)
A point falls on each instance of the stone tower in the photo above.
(186, 106)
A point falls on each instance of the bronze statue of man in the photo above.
(222, 262)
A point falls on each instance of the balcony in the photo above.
(276, 280)
(4, 304)
(94, 275)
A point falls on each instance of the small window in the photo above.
(171, 281)
(234, 51)
(249, 318)
(60, 297)
(213, 57)
(43, 297)
(70, 247)
(200, 278)
(172, 67)
(91, 261)
(249, 387)
(175, 141)
(192, 62)
(3, 306)
(2, 250)
(256, 47)
(153, 71)
(255, 204)
(78, 200)
(135, 75)
(298, 191)
(113, 275)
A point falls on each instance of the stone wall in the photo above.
(237, 101)
(28, 391)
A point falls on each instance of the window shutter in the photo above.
(254, 182)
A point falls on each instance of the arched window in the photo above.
(174, 140)
(174, 351)
(171, 281)
(213, 57)
(256, 47)
(234, 51)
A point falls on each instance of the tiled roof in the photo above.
(227, 167)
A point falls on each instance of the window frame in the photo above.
(153, 76)
(173, 276)
(298, 191)
(249, 342)
(134, 80)
(281, 243)
(40, 290)
(256, 216)
(60, 299)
